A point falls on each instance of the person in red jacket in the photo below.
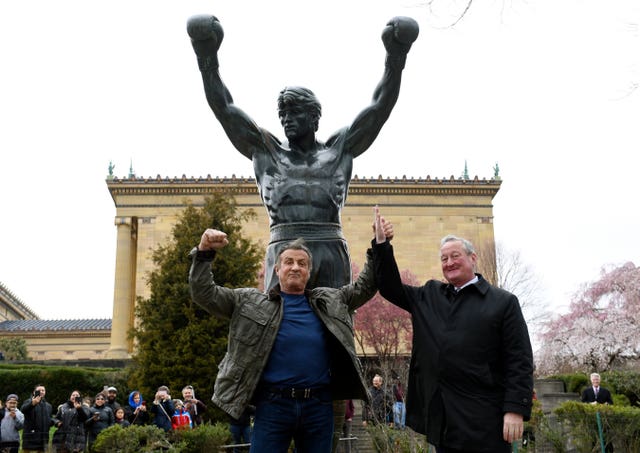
(181, 419)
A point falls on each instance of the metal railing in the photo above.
(343, 446)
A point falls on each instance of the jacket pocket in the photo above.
(229, 379)
(249, 326)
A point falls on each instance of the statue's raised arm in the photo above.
(397, 36)
(206, 35)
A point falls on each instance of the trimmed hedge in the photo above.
(620, 425)
(60, 381)
(625, 383)
(139, 439)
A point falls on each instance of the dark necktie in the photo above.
(596, 392)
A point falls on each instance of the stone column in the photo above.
(124, 289)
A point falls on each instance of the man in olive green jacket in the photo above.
(289, 346)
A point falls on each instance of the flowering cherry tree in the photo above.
(384, 328)
(601, 329)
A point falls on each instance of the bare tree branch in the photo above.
(507, 270)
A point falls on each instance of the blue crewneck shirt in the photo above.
(299, 357)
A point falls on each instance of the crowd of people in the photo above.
(79, 420)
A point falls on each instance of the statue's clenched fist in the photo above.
(399, 34)
(206, 34)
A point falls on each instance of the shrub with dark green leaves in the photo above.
(133, 439)
(204, 438)
(574, 382)
(149, 438)
(620, 425)
(625, 383)
(59, 381)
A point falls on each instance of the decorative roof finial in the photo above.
(131, 173)
(111, 167)
(496, 171)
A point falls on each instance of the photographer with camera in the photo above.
(193, 405)
(162, 408)
(11, 422)
(70, 419)
(37, 421)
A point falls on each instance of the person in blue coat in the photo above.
(136, 411)
(162, 408)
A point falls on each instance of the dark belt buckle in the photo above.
(301, 393)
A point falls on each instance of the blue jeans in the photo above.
(399, 414)
(241, 434)
(278, 420)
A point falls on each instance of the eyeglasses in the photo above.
(99, 398)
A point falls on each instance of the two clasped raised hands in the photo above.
(382, 229)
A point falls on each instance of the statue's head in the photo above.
(300, 97)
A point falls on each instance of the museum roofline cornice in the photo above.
(55, 325)
(15, 304)
(240, 185)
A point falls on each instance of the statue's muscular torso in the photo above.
(297, 186)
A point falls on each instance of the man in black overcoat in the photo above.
(37, 421)
(471, 373)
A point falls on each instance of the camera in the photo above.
(78, 399)
(36, 393)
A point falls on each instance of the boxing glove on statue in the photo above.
(397, 37)
(206, 36)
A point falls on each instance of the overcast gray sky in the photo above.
(546, 89)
